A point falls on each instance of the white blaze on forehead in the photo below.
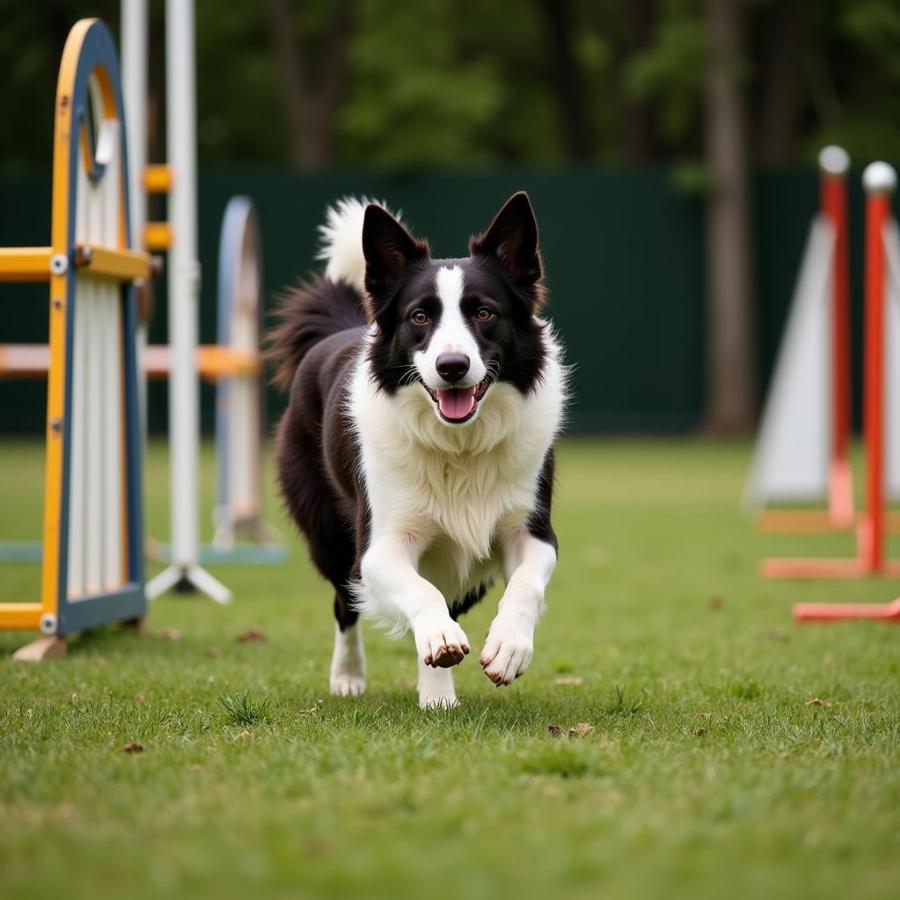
(449, 286)
(452, 334)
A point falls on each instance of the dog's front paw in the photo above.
(440, 642)
(346, 684)
(507, 652)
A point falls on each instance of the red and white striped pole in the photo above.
(834, 162)
(879, 182)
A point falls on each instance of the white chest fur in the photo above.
(457, 488)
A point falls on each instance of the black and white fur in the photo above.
(416, 452)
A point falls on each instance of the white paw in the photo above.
(438, 701)
(344, 684)
(440, 642)
(507, 651)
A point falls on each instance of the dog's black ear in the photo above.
(388, 248)
(513, 239)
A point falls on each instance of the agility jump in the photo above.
(881, 377)
(881, 372)
(92, 570)
(233, 364)
(803, 451)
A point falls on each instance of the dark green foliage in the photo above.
(468, 82)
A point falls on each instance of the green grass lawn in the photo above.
(708, 771)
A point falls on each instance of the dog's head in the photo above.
(454, 327)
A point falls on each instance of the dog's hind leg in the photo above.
(348, 660)
(436, 687)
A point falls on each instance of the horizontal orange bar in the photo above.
(213, 362)
(20, 616)
(123, 265)
(835, 612)
(824, 568)
(25, 263)
(157, 236)
(157, 179)
(811, 521)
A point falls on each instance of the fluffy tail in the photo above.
(309, 313)
(321, 307)
(341, 237)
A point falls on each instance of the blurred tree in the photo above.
(730, 393)
(375, 83)
(422, 92)
(312, 72)
(566, 79)
(775, 97)
(372, 82)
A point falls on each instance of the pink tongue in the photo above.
(456, 403)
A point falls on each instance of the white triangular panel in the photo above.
(892, 363)
(792, 451)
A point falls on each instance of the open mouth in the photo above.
(458, 405)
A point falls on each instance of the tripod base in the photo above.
(187, 579)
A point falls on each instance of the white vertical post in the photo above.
(184, 285)
(134, 91)
(184, 278)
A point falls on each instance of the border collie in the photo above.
(416, 453)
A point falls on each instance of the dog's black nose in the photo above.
(452, 367)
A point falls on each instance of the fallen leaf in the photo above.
(704, 715)
(245, 734)
(140, 697)
(170, 634)
(700, 732)
(568, 679)
(133, 747)
(312, 711)
(554, 729)
(785, 754)
(252, 635)
(716, 602)
(581, 729)
(214, 652)
(816, 701)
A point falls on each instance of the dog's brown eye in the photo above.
(483, 314)
(419, 317)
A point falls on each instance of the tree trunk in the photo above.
(567, 83)
(731, 341)
(309, 101)
(776, 97)
(638, 139)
